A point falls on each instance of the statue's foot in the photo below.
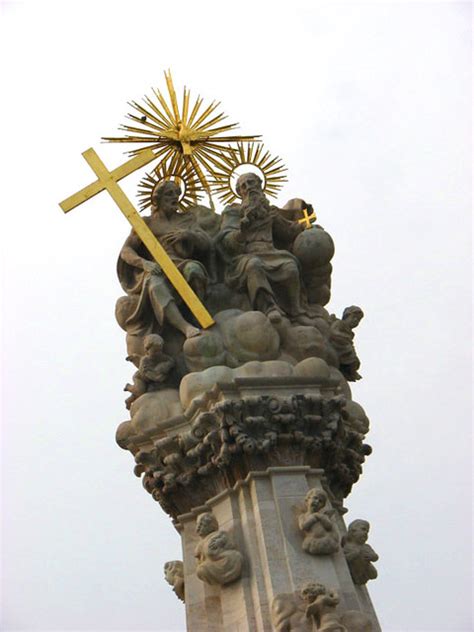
(191, 331)
(274, 316)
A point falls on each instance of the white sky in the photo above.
(369, 106)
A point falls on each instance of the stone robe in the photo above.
(256, 263)
(152, 292)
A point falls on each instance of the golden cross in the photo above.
(307, 219)
(107, 180)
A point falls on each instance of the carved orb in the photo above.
(313, 247)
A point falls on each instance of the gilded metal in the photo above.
(107, 181)
(194, 134)
(225, 166)
(117, 174)
(177, 171)
(307, 219)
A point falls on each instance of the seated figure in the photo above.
(270, 276)
(320, 534)
(151, 301)
(218, 562)
(153, 369)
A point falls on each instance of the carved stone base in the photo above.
(260, 514)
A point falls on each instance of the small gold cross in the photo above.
(307, 219)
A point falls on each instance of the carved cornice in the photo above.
(232, 432)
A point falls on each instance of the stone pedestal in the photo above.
(261, 515)
(248, 451)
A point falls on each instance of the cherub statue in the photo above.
(153, 368)
(359, 554)
(174, 575)
(321, 608)
(314, 608)
(288, 612)
(218, 562)
(341, 338)
(316, 523)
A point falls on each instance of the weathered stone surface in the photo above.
(218, 562)
(261, 513)
(234, 429)
(174, 575)
(359, 554)
(317, 525)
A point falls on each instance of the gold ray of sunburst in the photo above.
(173, 168)
(192, 132)
(252, 154)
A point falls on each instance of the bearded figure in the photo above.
(254, 242)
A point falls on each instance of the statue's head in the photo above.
(248, 184)
(315, 500)
(153, 343)
(358, 531)
(165, 197)
(352, 315)
(173, 569)
(217, 543)
(312, 590)
(206, 524)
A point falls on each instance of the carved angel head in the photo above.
(315, 500)
(206, 524)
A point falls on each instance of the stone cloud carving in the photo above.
(218, 562)
(317, 525)
(359, 554)
(174, 575)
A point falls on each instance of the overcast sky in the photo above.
(369, 107)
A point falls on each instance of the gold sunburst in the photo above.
(176, 170)
(251, 154)
(194, 133)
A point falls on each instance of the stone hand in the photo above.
(151, 266)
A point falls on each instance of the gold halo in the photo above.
(183, 130)
(252, 154)
(175, 171)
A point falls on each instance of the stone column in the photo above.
(260, 513)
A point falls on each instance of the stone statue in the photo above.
(248, 242)
(153, 369)
(218, 562)
(288, 613)
(314, 608)
(341, 338)
(359, 554)
(174, 575)
(320, 535)
(151, 302)
(321, 608)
